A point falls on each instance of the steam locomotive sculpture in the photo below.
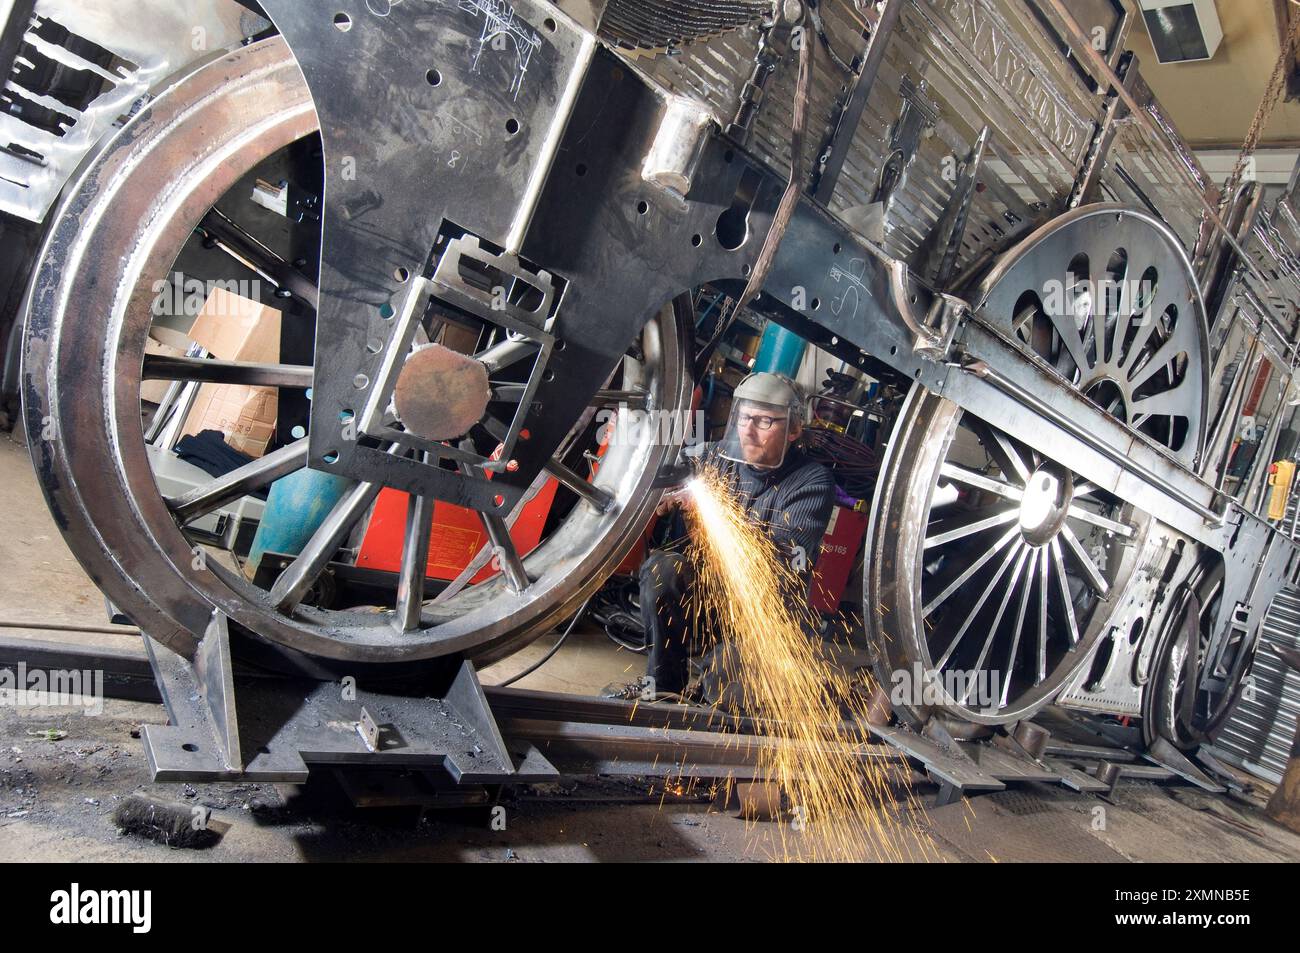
(978, 202)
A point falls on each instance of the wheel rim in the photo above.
(121, 225)
(1182, 714)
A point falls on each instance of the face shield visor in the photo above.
(758, 434)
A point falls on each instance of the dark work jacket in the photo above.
(792, 502)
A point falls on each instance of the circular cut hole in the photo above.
(401, 274)
(549, 23)
(512, 126)
(498, 501)
(433, 77)
(642, 207)
(697, 240)
(342, 22)
(331, 456)
(361, 382)
(189, 746)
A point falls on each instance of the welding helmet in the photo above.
(766, 410)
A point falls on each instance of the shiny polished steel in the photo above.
(997, 579)
(526, 163)
(191, 144)
(180, 32)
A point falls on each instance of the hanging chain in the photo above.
(1272, 93)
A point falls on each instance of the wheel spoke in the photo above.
(1146, 327)
(946, 531)
(415, 562)
(1027, 553)
(970, 571)
(602, 500)
(244, 248)
(1019, 627)
(980, 481)
(1068, 331)
(999, 447)
(239, 482)
(1066, 598)
(1159, 361)
(1088, 516)
(296, 580)
(503, 547)
(632, 399)
(1090, 570)
(506, 353)
(160, 367)
(1042, 621)
(1012, 553)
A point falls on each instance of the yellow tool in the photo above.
(1280, 476)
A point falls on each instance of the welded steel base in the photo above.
(228, 724)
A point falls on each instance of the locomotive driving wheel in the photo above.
(1186, 704)
(117, 233)
(992, 566)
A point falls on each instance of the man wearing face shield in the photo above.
(785, 492)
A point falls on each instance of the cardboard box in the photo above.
(234, 328)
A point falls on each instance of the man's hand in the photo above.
(681, 498)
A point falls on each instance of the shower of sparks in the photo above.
(840, 798)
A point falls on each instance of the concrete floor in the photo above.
(57, 797)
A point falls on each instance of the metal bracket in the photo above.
(937, 257)
(228, 725)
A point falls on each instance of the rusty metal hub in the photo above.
(441, 393)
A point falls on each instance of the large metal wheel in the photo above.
(1106, 296)
(1184, 704)
(116, 233)
(993, 568)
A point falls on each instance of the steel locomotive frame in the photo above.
(554, 146)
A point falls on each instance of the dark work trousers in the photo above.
(676, 633)
(666, 579)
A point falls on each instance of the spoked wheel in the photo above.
(1185, 704)
(993, 567)
(1106, 296)
(116, 235)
